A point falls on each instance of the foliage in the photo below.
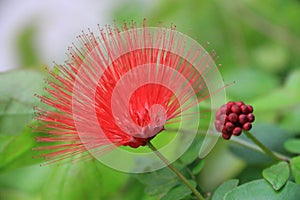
(259, 50)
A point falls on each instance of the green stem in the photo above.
(258, 149)
(265, 149)
(245, 144)
(178, 173)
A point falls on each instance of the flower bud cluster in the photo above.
(233, 117)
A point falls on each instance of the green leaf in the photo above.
(198, 167)
(26, 48)
(271, 57)
(224, 188)
(280, 98)
(260, 189)
(160, 181)
(295, 167)
(243, 77)
(16, 111)
(73, 180)
(111, 180)
(14, 194)
(292, 145)
(18, 178)
(17, 99)
(293, 80)
(179, 192)
(192, 153)
(277, 175)
(291, 119)
(81, 180)
(276, 100)
(4, 141)
(133, 190)
(17, 152)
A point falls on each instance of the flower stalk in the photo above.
(243, 143)
(265, 149)
(177, 172)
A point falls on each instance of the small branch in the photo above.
(265, 149)
(178, 173)
(245, 144)
(256, 148)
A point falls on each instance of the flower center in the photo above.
(158, 117)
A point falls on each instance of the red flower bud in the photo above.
(244, 109)
(233, 117)
(247, 126)
(236, 109)
(243, 119)
(237, 131)
(240, 103)
(250, 108)
(250, 117)
(226, 136)
(229, 126)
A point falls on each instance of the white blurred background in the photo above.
(50, 25)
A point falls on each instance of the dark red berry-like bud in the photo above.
(236, 109)
(229, 126)
(240, 103)
(218, 113)
(228, 110)
(232, 118)
(230, 103)
(223, 109)
(247, 126)
(237, 131)
(225, 131)
(250, 108)
(218, 125)
(226, 136)
(250, 117)
(222, 118)
(244, 109)
(243, 119)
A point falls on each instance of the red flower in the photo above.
(120, 89)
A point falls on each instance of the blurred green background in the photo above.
(258, 44)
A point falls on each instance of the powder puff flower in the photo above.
(121, 88)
